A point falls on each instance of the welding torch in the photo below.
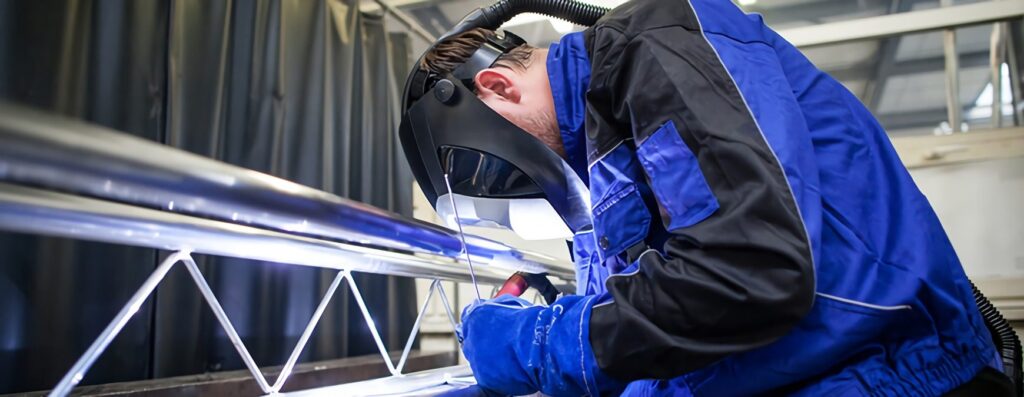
(519, 282)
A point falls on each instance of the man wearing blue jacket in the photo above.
(754, 230)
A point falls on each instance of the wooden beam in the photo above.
(930, 151)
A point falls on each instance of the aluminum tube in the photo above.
(46, 150)
(36, 211)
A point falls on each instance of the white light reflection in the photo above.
(559, 25)
(278, 183)
(474, 241)
(983, 104)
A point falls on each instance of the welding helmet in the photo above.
(467, 157)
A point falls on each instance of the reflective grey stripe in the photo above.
(864, 304)
(810, 243)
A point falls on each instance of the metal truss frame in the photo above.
(125, 190)
(100, 344)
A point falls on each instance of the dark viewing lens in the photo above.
(478, 174)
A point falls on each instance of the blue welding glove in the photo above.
(515, 348)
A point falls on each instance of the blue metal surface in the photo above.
(45, 150)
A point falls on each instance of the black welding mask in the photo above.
(463, 153)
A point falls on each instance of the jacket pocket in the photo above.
(676, 178)
(620, 220)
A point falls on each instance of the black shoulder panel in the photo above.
(737, 279)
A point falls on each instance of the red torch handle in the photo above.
(515, 286)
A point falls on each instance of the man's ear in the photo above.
(499, 83)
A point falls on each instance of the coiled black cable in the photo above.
(568, 10)
(1006, 340)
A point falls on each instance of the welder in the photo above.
(749, 230)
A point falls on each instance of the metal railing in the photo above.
(66, 178)
(947, 19)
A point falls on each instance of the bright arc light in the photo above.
(747, 2)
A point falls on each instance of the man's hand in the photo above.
(515, 348)
(489, 332)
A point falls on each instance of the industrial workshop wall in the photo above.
(305, 90)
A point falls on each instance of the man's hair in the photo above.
(454, 51)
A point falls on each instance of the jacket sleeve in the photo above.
(729, 281)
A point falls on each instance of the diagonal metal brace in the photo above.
(416, 326)
(371, 325)
(225, 323)
(286, 371)
(77, 371)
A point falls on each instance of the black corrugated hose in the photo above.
(493, 16)
(1005, 339)
(569, 10)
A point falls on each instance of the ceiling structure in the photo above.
(900, 79)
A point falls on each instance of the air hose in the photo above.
(1005, 339)
(494, 15)
(568, 10)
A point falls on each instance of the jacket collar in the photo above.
(569, 76)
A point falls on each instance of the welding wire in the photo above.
(465, 247)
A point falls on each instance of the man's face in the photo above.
(524, 98)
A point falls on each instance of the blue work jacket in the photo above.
(754, 230)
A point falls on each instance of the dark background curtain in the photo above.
(301, 89)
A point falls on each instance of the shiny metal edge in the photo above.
(425, 383)
(49, 151)
(36, 211)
